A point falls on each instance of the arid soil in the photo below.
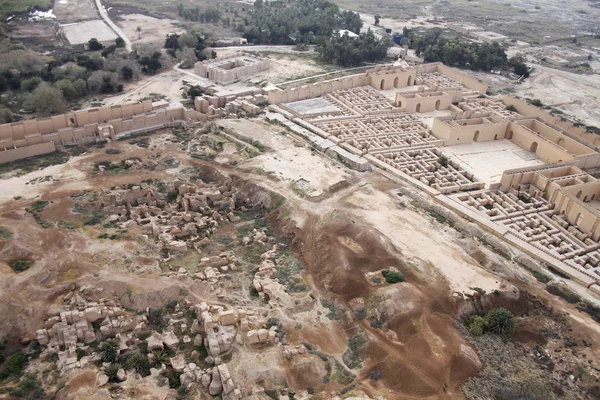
(343, 328)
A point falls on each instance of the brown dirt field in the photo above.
(427, 356)
(358, 230)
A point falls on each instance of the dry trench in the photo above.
(419, 354)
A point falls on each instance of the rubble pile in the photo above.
(267, 287)
(71, 330)
(84, 324)
(180, 215)
(216, 107)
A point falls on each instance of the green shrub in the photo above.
(93, 219)
(21, 265)
(392, 276)
(111, 371)
(537, 103)
(160, 357)
(109, 350)
(37, 206)
(500, 321)
(477, 325)
(564, 292)
(443, 160)
(14, 366)
(139, 362)
(5, 234)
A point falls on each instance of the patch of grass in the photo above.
(351, 356)
(589, 308)
(342, 375)
(563, 292)
(37, 206)
(288, 273)
(113, 151)
(22, 167)
(5, 234)
(537, 275)
(29, 388)
(438, 217)
(93, 219)
(333, 312)
(557, 272)
(14, 366)
(66, 225)
(10, 7)
(21, 265)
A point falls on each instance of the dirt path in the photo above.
(114, 27)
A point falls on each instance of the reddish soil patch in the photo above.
(426, 360)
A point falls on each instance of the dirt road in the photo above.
(113, 26)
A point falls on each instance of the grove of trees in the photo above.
(31, 82)
(350, 52)
(433, 47)
(297, 21)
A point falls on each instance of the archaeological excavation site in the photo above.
(226, 209)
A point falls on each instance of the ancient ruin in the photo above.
(408, 122)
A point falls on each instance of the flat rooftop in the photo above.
(313, 106)
(82, 32)
(488, 160)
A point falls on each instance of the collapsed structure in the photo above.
(434, 127)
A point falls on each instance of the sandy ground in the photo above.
(71, 179)
(575, 94)
(420, 238)
(291, 160)
(74, 10)
(153, 30)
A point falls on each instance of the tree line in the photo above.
(350, 52)
(297, 21)
(452, 52)
(31, 82)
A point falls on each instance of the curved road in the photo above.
(114, 27)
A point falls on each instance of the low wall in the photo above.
(70, 126)
(41, 143)
(7, 156)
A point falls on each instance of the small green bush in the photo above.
(500, 321)
(443, 160)
(37, 206)
(21, 265)
(109, 351)
(14, 366)
(93, 219)
(477, 325)
(392, 276)
(5, 234)
(160, 357)
(564, 292)
(111, 371)
(139, 362)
